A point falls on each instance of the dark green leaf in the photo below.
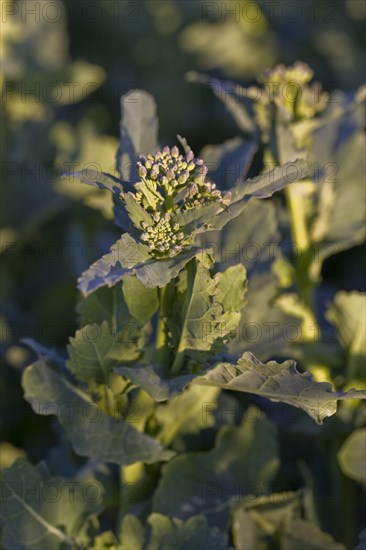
(204, 483)
(91, 432)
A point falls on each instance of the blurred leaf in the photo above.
(138, 132)
(185, 413)
(348, 314)
(206, 482)
(163, 533)
(361, 541)
(257, 521)
(33, 518)
(352, 456)
(303, 534)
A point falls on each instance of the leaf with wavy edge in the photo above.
(127, 257)
(278, 382)
(91, 432)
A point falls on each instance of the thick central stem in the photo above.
(179, 358)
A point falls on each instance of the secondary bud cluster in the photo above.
(289, 89)
(178, 180)
(164, 238)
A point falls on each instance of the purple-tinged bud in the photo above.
(142, 171)
(175, 151)
(190, 155)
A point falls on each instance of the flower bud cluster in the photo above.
(289, 89)
(180, 178)
(164, 238)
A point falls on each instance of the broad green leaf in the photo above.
(232, 288)
(91, 432)
(253, 239)
(142, 302)
(106, 304)
(164, 533)
(40, 511)
(339, 145)
(352, 456)
(278, 382)
(216, 216)
(210, 311)
(184, 414)
(270, 181)
(155, 380)
(348, 314)
(206, 482)
(127, 257)
(95, 351)
(138, 131)
(303, 534)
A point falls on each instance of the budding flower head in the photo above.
(171, 183)
(165, 238)
(168, 173)
(289, 89)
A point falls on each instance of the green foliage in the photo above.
(160, 347)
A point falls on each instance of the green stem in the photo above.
(179, 357)
(162, 344)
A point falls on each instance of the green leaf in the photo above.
(95, 351)
(127, 257)
(216, 216)
(95, 178)
(138, 132)
(351, 456)
(253, 239)
(142, 302)
(155, 380)
(211, 310)
(339, 146)
(348, 314)
(229, 161)
(303, 534)
(164, 533)
(232, 288)
(91, 432)
(258, 521)
(278, 382)
(132, 533)
(40, 511)
(106, 304)
(206, 482)
(183, 414)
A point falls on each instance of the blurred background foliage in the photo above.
(65, 66)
